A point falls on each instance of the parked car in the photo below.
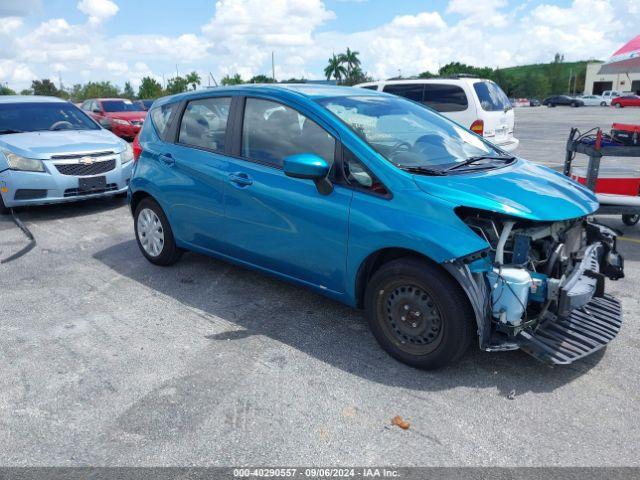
(51, 152)
(144, 104)
(534, 102)
(609, 95)
(474, 103)
(123, 117)
(565, 100)
(626, 101)
(380, 203)
(592, 101)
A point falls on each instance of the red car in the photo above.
(123, 117)
(627, 101)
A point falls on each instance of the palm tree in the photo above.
(351, 59)
(193, 79)
(335, 69)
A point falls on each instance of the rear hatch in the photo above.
(496, 112)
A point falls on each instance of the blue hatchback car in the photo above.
(385, 205)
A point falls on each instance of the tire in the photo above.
(617, 105)
(630, 220)
(603, 104)
(3, 210)
(154, 235)
(443, 326)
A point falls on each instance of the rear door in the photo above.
(495, 111)
(195, 163)
(280, 223)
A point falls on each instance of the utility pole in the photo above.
(273, 66)
(570, 75)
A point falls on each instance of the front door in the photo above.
(280, 223)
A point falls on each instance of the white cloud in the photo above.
(9, 25)
(98, 10)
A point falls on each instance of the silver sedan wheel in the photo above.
(150, 232)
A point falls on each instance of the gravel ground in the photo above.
(108, 360)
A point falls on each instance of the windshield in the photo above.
(491, 96)
(35, 117)
(407, 134)
(120, 106)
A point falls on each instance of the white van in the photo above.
(609, 95)
(475, 103)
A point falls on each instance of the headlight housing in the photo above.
(127, 154)
(119, 121)
(16, 162)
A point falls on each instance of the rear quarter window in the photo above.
(491, 97)
(445, 98)
(161, 116)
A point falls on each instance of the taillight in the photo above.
(478, 127)
(137, 149)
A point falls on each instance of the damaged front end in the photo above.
(540, 286)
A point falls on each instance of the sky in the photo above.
(124, 40)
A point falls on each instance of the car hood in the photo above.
(42, 145)
(127, 115)
(523, 189)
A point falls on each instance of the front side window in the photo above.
(272, 131)
(411, 91)
(445, 98)
(491, 96)
(37, 117)
(204, 123)
(409, 135)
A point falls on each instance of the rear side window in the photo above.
(204, 123)
(413, 92)
(370, 87)
(160, 117)
(445, 98)
(491, 96)
(272, 131)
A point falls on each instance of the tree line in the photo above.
(149, 88)
(536, 81)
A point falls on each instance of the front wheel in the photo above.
(630, 220)
(154, 235)
(3, 210)
(603, 104)
(418, 314)
(617, 105)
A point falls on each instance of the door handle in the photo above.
(167, 158)
(240, 179)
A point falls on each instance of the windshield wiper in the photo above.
(7, 131)
(423, 170)
(472, 160)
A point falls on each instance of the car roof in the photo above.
(426, 80)
(301, 90)
(109, 99)
(30, 99)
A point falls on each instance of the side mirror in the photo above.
(309, 166)
(96, 110)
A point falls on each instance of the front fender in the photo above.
(420, 223)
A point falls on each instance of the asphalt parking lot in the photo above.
(109, 360)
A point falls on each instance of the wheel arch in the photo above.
(137, 197)
(380, 257)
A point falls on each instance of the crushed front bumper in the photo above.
(585, 331)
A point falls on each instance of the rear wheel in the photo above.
(154, 235)
(418, 314)
(630, 220)
(617, 105)
(603, 104)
